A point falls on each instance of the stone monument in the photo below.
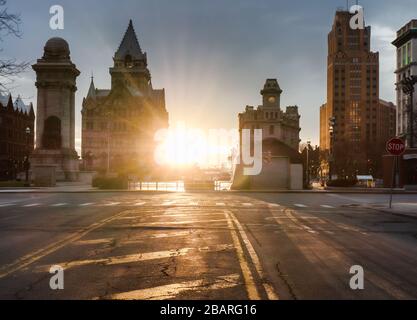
(55, 115)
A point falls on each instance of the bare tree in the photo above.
(9, 25)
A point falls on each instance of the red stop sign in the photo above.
(395, 146)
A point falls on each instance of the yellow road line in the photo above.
(251, 289)
(255, 260)
(39, 254)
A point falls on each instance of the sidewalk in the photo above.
(406, 209)
(60, 187)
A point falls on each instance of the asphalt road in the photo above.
(205, 246)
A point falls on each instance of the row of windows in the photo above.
(404, 55)
(14, 150)
(120, 112)
(102, 126)
(103, 143)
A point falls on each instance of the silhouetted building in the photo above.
(119, 124)
(352, 128)
(16, 141)
(282, 164)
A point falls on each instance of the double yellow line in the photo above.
(236, 229)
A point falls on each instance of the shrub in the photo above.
(107, 183)
(342, 183)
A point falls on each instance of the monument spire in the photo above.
(129, 45)
(92, 89)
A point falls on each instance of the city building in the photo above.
(282, 165)
(17, 122)
(118, 124)
(353, 130)
(406, 44)
(406, 86)
(54, 158)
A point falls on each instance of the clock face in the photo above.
(272, 99)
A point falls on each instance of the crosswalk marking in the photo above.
(164, 204)
(6, 205)
(138, 257)
(163, 223)
(112, 204)
(300, 205)
(59, 204)
(86, 204)
(32, 205)
(170, 291)
(273, 205)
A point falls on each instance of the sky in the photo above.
(211, 56)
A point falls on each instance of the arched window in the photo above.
(128, 61)
(52, 133)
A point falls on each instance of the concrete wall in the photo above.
(274, 175)
(296, 173)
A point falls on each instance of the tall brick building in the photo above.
(118, 124)
(353, 122)
(16, 142)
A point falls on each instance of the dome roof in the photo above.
(56, 48)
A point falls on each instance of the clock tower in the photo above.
(271, 93)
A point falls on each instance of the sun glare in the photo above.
(182, 146)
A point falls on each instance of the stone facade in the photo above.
(406, 44)
(55, 120)
(352, 134)
(274, 122)
(119, 124)
(282, 164)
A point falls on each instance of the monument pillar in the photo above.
(55, 115)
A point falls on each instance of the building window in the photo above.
(271, 129)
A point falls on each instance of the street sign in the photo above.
(395, 146)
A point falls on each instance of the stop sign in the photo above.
(395, 146)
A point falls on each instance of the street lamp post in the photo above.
(108, 115)
(308, 164)
(332, 124)
(27, 163)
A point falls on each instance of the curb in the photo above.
(34, 190)
(401, 214)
